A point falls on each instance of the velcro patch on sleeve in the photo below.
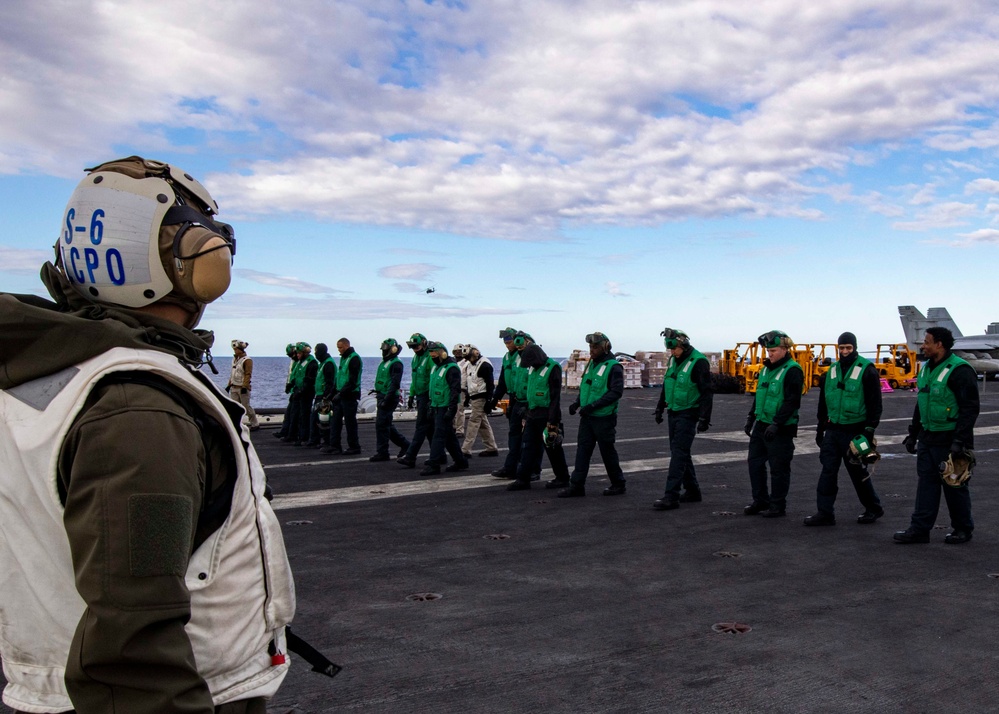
(159, 534)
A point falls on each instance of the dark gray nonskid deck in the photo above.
(602, 604)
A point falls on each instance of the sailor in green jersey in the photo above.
(348, 393)
(419, 395)
(507, 384)
(305, 390)
(543, 418)
(849, 407)
(319, 436)
(772, 425)
(445, 391)
(388, 381)
(687, 399)
(600, 391)
(942, 430)
(288, 384)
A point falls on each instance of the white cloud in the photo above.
(409, 271)
(990, 186)
(247, 306)
(941, 215)
(21, 261)
(511, 120)
(984, 235)
(278, 281)
(614, 289)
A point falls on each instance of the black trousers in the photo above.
(344, 414)
(833, 452)
(928, 488)
(682, 429)
(424, 426)
(597, 431)
(776, 454)
(532, 446)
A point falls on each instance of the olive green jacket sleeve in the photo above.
(131, 472)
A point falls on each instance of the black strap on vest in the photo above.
(311, 655)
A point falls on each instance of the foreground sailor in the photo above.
(942, 435)
(600, 390)
(687, 399)
(772, 425)
(543, 418)
(240, 376)
(445, 391)
(121, 461)
(388, 382)
(849, 411)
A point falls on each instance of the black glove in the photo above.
(490, 405)
(243, 390)
(750, 420)
(573, 408)
(771, 433)
(287, 388)
(957, 448)
(910, 441)
(372, 391)
(702, 425)
(468, 402)
(450, 413)
(820, 434)
(410, 401)
(336, 398)
(586, 411)
(659, 416)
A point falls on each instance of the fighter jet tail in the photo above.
(914, 323)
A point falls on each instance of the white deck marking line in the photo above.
(353, 494)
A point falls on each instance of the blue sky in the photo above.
(721, 167)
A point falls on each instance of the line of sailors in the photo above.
(849, 411)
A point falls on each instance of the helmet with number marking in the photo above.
(137, 231)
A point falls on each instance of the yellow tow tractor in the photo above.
(802, 354)
(824, 358)
(898, 364)
(746, 356)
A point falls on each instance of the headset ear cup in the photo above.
(206, 276)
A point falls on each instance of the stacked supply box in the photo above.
(574, 368)
(655, 365)
(632, 373)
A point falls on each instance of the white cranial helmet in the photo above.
(136, 231)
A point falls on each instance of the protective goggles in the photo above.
(771, 339)
(507, 334)
(672, 338)
(187, 218)
(595, 338)
(416, 340)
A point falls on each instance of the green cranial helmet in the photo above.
(416, 340)
(289, 350)
(389, 347)
(303, 346)
(507, 333)
(863, 450)
(775, 338)
(673, 338)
